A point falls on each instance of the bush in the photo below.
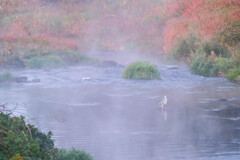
(74, 57)
(17, 137)
(5, 77)
(141, 70)
(12, 62)
(219, 50)
(72, 154)
(183, 49)
(223, 64)
(49, 61)
(234, 74)
(201, 65)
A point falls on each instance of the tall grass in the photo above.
(141, 70)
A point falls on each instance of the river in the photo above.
(117, 119)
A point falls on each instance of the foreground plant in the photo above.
(72, 154)
(17, 137)
(141, 70)
(21, 141)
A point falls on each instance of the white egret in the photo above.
(161, 106)
(162, 103)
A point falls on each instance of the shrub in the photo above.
(12, 61)
(5, 77)
(17, 137)
(141, 70)
(74, 57)
(199, 64)
(49, 61)
(223, 64)
(35, 62)
(219, 50)
(183, 49)
(234, 74)
(72, 154)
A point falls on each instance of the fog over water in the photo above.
(117, 119)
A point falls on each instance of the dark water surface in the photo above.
(117, 119)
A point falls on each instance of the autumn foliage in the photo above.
(204, 18)
(82, 24)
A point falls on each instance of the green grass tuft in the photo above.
(234, 74)
(203, 66)
(141, 70)
(73, 154)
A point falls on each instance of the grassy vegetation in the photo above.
(141, 70)
(49, 61)
(44, 58)
(215, 26)
(73, 154)
(234, 74)
(21, 141)
(5, 77)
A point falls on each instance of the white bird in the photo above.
(162, 103)
(161, 106)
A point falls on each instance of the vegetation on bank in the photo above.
(5, 77)
(19, 140)
(205, 35)
(141, 70)
(209, 59)
(44, 58)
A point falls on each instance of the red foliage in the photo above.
(202, 17)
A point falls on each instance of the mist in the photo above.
(66, 60)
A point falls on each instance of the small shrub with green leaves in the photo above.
(201, 65)
(72, 154)
(17, 137)
(184, 48)
(234, 74)
(5, 77)
(48, 61)
(141, 70)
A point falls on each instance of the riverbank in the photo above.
(210, 59)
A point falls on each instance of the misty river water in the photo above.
(117, 119)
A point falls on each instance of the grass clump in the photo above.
(49, 61)
(5, 77)
(73, 154)
(203, 66)
(141, 70)
(234, 74)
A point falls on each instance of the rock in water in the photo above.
(36, 80)
(21, 79)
